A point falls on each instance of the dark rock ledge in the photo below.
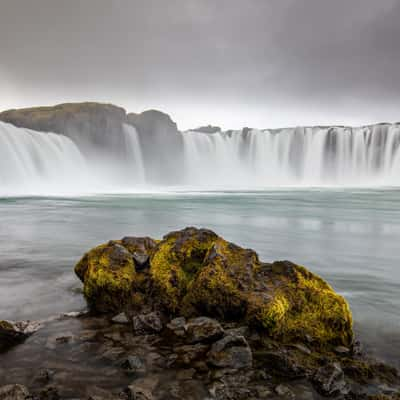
(195, 317)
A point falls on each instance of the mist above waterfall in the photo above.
(34, 162)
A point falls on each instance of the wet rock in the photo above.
(203, 329)
(120, 319)
(329, 380)
(134, 364)
(43, 376)
(187, 354)
(280, 363)
(97, 393)
(142, 389)
(147, 323)
(12, 333)
(49, 393)
(232, 351)
(304, 349)
(177, 326)
(113, 354)
(342, 350)
(185, 374)
(284, 391)
(13, 392)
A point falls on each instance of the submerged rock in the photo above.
(12, 333)
(13, 392)
(195, 272)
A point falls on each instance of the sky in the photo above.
(232, 63)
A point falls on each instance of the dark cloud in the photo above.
(233, 62)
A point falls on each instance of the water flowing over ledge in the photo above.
(35, 162)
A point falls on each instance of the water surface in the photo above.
(349, 237)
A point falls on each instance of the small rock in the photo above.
(263, 392)
(178, 326)
(13, 392)
(342, 350)
(284, 391)
(231, 351)
(203, 329)
(147, 323)
(64, 339)
(73, 314)
(280, 363)
(120, 319)
(112, 354)
(97, 393)
(189, 353)
(49, 393)
(12, 333)
(329, 380)
(185, 374)
(43, 376)
(134, 364)
(356, 348)
(302, 348)
(141, 260)
(142, 389)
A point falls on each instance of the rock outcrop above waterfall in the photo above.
(161, 144)
(207, 129)
(88, 124)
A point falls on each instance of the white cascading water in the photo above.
(134, 159)
(32, 162)
(46, 163)
(294, 157)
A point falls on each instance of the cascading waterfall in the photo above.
(294, 157)
(134, 159)
(32, 161)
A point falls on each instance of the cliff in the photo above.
(88, 124)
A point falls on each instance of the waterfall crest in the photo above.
(33, 162)
(294, 157)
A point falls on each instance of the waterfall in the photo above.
(32, 161)
(133, 165)
(293, 157)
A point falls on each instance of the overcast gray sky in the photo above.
(258, 63)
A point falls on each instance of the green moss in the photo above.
(5, 325)
(303, 306)
(194, 272)
(176, 261)
(108, 273)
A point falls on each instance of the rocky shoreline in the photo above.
(193, 317)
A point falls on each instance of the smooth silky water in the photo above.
(348, 236)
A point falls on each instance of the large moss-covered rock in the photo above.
(108, 271)
(195, 272)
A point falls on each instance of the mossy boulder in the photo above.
(195, 272)
(109, 274)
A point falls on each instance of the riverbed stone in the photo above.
(232, 351)
(12, 333)
(203, 329)
(14, 392)
(329, 380)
